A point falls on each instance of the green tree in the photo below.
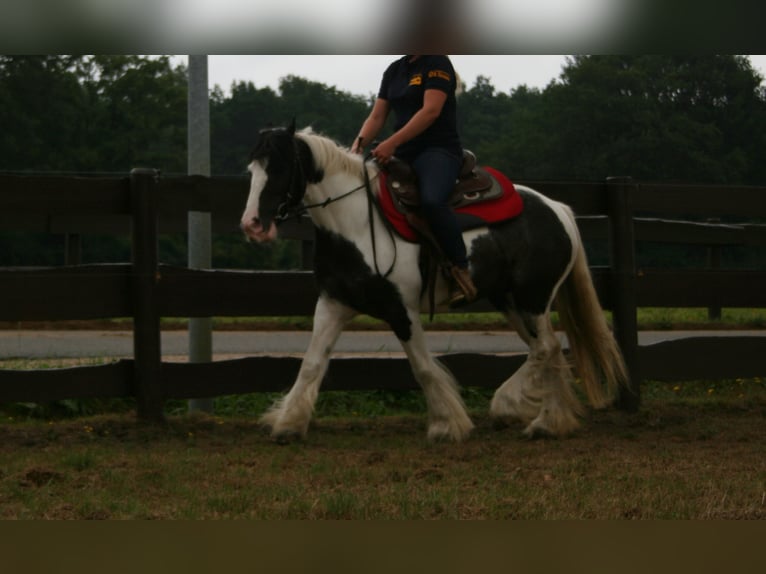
(655, 117)
(483, 119)
(234, 124)
(141, 112)
(235, 120)
(327, 110)
(91, 113)
(42, 109)
(688, 118)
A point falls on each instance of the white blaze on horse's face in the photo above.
(251, 223)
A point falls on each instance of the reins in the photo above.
(373, 204)
(287, 212)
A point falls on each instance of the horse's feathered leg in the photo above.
(290, 416)
(540, 393)
(447, 415)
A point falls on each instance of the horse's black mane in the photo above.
(280, 146)
(272, 141)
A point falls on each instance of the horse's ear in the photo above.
(291, 127)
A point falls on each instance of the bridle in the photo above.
(292, 207)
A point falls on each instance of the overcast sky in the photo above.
(361, 74)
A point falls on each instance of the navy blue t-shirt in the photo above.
(404, 85)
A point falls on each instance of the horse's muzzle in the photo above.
(253, 229)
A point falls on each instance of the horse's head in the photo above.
(280, 167)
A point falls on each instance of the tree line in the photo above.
(654, 117)
(684, 118)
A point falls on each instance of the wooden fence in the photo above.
(145, 205)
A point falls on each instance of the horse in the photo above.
(522, 266)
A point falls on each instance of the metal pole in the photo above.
(199, 227)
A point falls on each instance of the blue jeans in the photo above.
(437, 171)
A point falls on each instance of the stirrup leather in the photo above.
(464, 291)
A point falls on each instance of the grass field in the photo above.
(694, 451)
(649, 318)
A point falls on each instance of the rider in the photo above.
(421, 92)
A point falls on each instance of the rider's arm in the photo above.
(372, 125)
(433, 102)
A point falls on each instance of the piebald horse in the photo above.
(521, 266)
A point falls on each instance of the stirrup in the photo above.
(456, 299)
(462, 291)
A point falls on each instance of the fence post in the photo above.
(623, 284)
(148, 386)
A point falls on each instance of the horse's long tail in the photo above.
(597, 357)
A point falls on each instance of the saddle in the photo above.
(473, 185)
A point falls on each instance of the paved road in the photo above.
(228, 344)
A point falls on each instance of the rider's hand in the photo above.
(357, 146)
(384, 151)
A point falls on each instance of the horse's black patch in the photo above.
(313, 173)
(342, 273)
(522, 259)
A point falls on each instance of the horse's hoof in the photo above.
(538, 433)
(438, 438)
(439, 433)
(500, 423)
(286, 437)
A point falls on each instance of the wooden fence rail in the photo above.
(144, 205)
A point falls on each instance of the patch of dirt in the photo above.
(37, 477)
